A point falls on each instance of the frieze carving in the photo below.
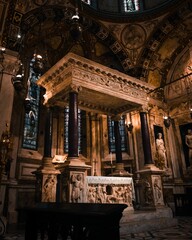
(49, 189)
(102, 75)
(110, 190)
(118, 84)
(73, 69)
(147, 191)
(77, 186)
(157, 190)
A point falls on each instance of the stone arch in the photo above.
(168, 29)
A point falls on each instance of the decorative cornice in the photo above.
(93, 77)
(103, 75)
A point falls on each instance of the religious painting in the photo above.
(186, 138)
(133, 36)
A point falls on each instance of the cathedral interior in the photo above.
(95, 89)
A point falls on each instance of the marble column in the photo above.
(146, 139)
(73, 125)
(74, 170)
(46, 175)
(151, 194)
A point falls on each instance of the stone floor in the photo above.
(182, 231)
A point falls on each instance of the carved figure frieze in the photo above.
(77, 187)
(102, 193)
(110, 190)
(49, 189)
(157, 190)
(147, 191)
(81, 69)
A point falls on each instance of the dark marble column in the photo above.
(48, 133)
(73, 124)
(117, 142)
(146, 138)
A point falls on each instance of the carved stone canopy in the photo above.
(100, 89)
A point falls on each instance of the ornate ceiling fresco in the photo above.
(154, 48)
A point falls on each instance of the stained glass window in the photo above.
(131, 5)
(86, 1)
(122, 131)
(31, 121)
(66, 132)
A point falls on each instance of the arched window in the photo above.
(122, 131)
(87, 1)
(31, 121)
(131, 5)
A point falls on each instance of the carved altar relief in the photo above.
(77, 184)
(157, 190)
(110, 190)
(49, 188)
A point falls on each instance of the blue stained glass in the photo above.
(122, 131)
(31, 121)
(131, 5)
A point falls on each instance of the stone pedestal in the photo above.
(46, 181)
(151, 195)
(73, 180)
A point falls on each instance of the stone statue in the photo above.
(48, 189)
(147, 192)
(161, 152)
(188, 142)
(77, 186)
(157, 191)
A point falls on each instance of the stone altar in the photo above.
(102, 189)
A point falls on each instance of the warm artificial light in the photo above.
(167, 121)
(129, 126)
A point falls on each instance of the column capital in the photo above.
(144, 108)
(75, 88)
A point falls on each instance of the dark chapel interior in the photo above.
(95, 98)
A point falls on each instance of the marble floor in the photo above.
(183, 231)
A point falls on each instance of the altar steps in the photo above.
(134, 221)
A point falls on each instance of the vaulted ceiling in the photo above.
(152, 47)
